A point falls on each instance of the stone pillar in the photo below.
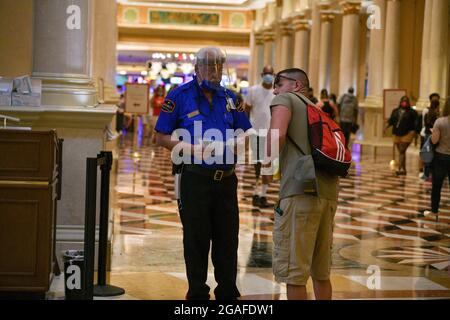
(424, 91)
(348, 68)
(269, 46)
(371, 132)
(259, 57)
(376, 54)
(327, 18)
(392, 45)
(301, 43)
(314, 47)
(62, 52)
(62, 57)
(286, 41)
(104, 53)
(439, 64)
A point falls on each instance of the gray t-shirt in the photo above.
(327, 184)
(443, 126)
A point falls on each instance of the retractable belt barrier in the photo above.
(101, 289)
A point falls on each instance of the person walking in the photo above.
(327, 105)
(348, 113)
(257, 103)
(429, 117)
(403, 121)
(441, 161)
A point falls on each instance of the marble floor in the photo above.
(384, 247)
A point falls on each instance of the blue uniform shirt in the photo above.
(187, 104)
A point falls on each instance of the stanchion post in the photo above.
(105, 169)
(101, 289)
(89, 227)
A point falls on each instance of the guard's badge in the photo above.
(193, 114)
(168, 106)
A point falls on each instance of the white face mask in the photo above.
(267, 78)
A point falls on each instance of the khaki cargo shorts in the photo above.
(303, 237)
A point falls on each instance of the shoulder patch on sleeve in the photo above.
(168, 106)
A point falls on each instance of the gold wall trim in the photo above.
(24, 183)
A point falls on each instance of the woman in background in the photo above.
(156, 103)
(430, 118)
(327, 105)
(441, 160)
(404, 126)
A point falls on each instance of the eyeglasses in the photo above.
(277, 80)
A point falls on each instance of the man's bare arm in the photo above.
(279, 123)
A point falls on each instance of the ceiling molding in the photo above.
(200, 4)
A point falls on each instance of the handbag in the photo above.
(427, 151)
(354, 128)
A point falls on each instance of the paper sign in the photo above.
(136, 98)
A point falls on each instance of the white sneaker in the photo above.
(428, 213)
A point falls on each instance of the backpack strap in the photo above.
(306, 101)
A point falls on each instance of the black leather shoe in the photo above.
(263, 203)
(255, 201)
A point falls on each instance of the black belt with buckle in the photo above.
(217, 175)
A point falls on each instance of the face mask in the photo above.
(404, 104)
(267, 78)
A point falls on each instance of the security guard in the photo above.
(208, 202)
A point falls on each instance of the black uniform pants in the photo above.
(210, 215)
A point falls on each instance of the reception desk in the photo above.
(29, 189)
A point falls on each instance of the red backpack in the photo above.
(327, 141)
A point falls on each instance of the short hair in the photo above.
(297, 74)
(434, 94)
(351, 90)
(207, 55)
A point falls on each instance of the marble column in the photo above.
(286, 41)
(348, 67)
(314, 59)
(327, 18)
(62, 52)
(301, 43)
(376, 54)
(439, 44)
(424, 91)
(104, 49)
(62, 57)
(371, 128)
(259, 57)
(269, 46)
(392, 45)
